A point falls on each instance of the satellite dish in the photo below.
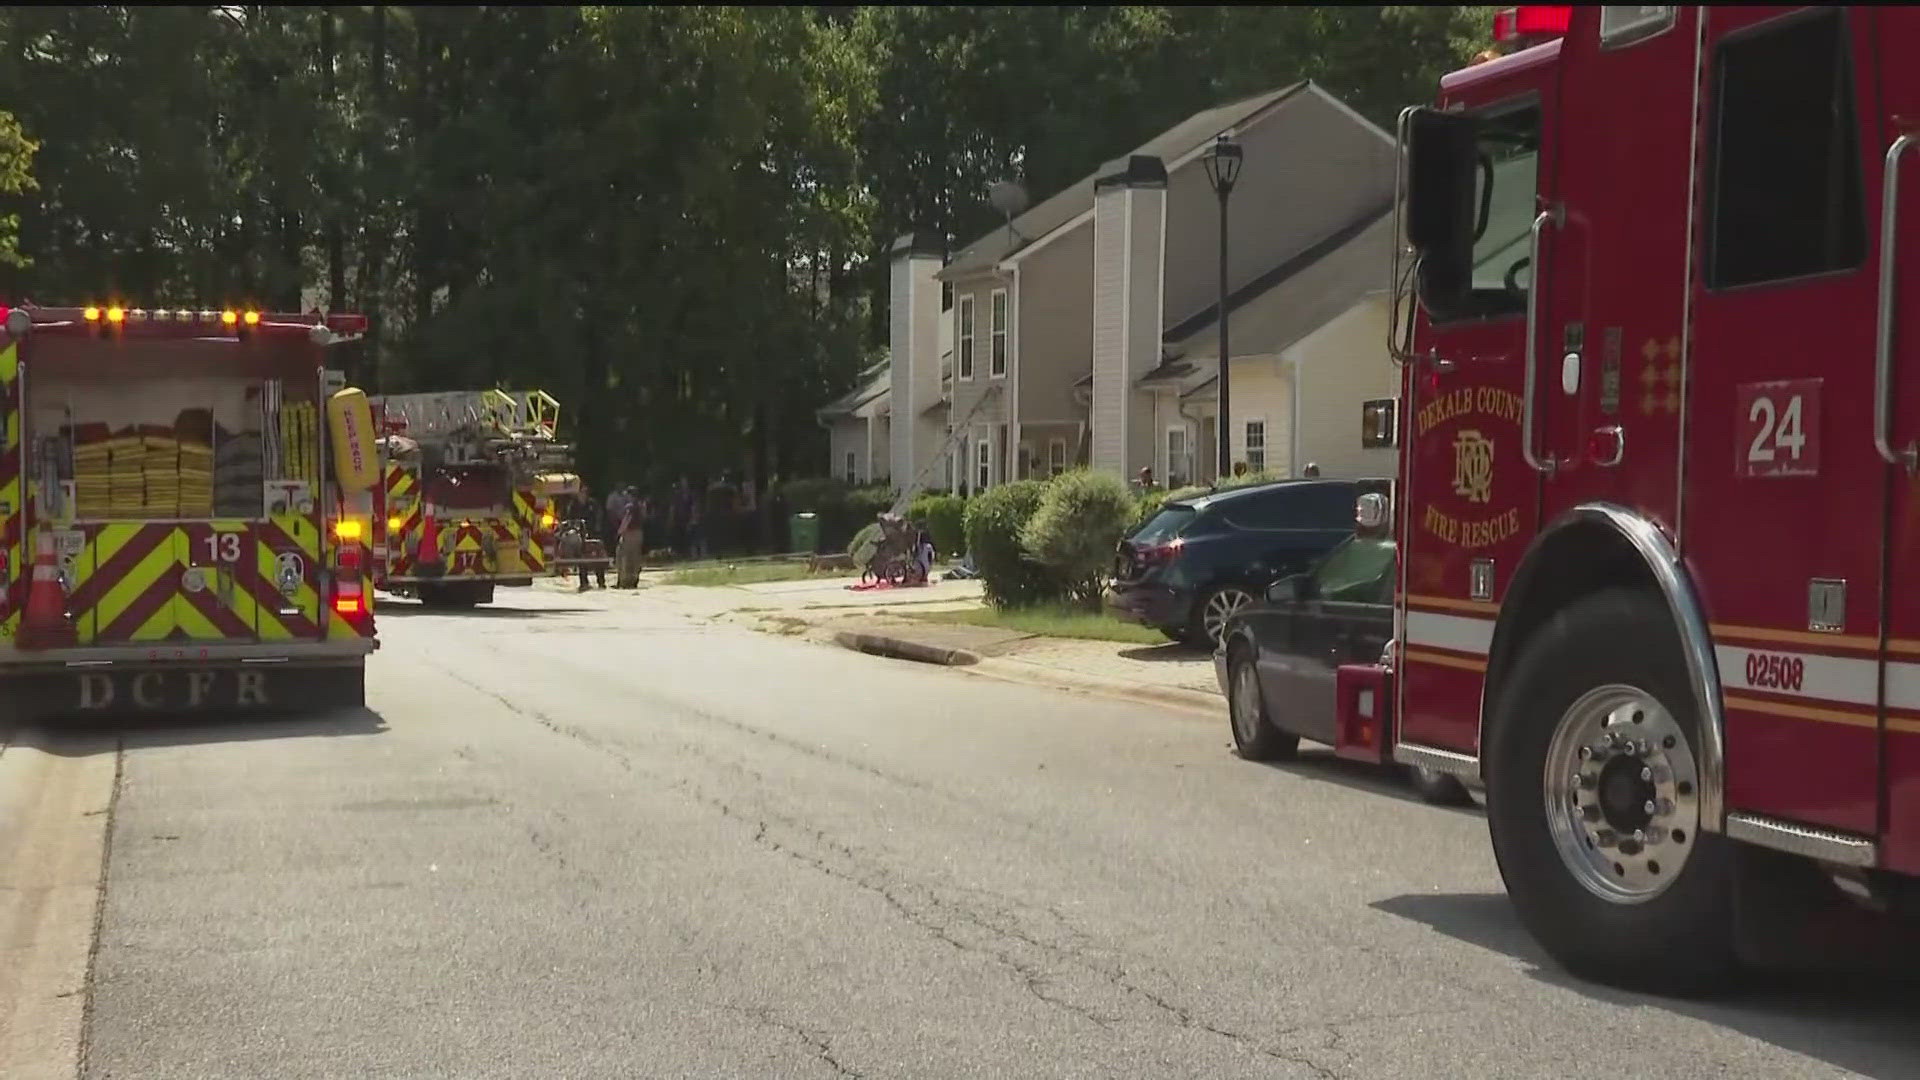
(1008, 197)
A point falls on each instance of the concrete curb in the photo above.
(903, 649)
(1015, 670)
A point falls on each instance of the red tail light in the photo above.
(350, 605)
(349, 558)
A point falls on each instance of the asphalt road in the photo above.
(594, 837)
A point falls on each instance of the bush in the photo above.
(945, 517)
(994, 521)
(1153, 499)
(843, 511)
(1074, 530)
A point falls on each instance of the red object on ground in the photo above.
(44, 623)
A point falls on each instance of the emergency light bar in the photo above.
(1532, 21)
(184, 322)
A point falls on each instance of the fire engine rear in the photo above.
(174, 531)
(1658, 499)
(465, 499)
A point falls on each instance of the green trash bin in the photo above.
(804, 532)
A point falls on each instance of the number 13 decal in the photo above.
(1778, 428)
(223, 547)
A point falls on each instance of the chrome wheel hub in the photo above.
(1622, 794)
(1221, 606)
(1245, 705)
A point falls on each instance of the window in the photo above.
(983, 464)
(1358, 570)
(1786, 165)
(1509, 161)
(1170, 522)
(1295, 506)
(998, 326)
(1179, 465)
(963, 336)
(1256, 452)
(1029, 464)
(852, 475)
(1056, 456)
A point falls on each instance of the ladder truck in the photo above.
(466, 498)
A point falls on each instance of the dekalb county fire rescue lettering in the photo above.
(1473, 456)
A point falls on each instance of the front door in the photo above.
(1785, 492)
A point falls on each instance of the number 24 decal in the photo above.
(223, 547)
(1779, 428)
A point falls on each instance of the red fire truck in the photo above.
(465, 503)
(1658, 503)
(177, 530)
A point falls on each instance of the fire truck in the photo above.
(1659, 503)
(465, 502)
(184, 503)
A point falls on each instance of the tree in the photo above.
(16, 178)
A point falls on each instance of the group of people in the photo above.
(620, 521)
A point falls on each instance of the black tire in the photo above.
(1437, 788)
(1675, 941)
(1263, 742)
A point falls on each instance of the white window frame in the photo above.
(1175, 466)
(997, 316)
(983, 463)
(853, 474)
(963, 337)
(1247, 444)
(1056, 456)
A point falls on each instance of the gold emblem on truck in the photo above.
(1473, 466)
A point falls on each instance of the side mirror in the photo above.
(1442, 214)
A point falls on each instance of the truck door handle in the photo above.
(1883, 338)
(1549, 216)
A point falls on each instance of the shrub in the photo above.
(994, 521)
(944, 516)
(843, 511)
(1074, 530)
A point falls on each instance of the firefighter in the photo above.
(593, 522)
(630, 553)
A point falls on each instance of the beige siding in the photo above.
(1309, 169)
(1053, 319)
(848, 436)
(1262, 392)
(1343, 364)
(967, 393)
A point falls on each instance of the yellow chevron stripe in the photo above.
(145, 575)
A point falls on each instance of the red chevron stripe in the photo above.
(135, 615)
(223, 618)
(118, 565)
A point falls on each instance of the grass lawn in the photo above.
(745, 574)
(1052, 620)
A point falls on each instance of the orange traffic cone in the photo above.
(428, 562)
(44, 624)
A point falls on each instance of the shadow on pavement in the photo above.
(389, 608)
(1862, 1025)
(79, 737)
(1320, 764)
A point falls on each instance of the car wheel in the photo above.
(1438, 788)
(1593, 802)
(1254, 735)
(1215, 608)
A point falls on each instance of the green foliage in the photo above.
(1153, 499)
(16, 178)
(945, 517)
(994, 521)
(843, 511)
(1073, 532)
(860, 549)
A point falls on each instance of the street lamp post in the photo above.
(1222, 161)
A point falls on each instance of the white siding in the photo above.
(1262, 391)
(1111, 387)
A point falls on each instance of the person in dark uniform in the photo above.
(593, 517)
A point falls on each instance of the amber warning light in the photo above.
(1532, 20)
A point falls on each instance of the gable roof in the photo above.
(1065, 206)
(1295, 298)
(874, 382)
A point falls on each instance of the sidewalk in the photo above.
(881, 622)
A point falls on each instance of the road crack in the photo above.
(817, 1041)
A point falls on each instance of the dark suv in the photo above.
(1199, 560)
